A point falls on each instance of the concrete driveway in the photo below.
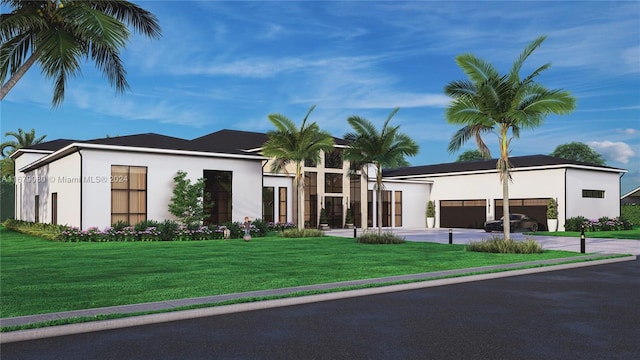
(464, 236)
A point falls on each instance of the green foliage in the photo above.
(143, 225)
(304, 233)
(578, 151)
(552, 209)
(505, 246)
(380, 238)
(470, 155)
(61, 38)
(631, 213)
(22, 139)
(385, 148)
(47, 231)
(323, 216)
(188, 200)
(489, 102)
(288, 144)
(575, 223)
(259, 227)
(349, 216)
(602, 224)
(431, 209)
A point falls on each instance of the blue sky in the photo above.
(227, 65)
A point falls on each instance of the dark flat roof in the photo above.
(479, 165)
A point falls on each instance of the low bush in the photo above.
(296, 233)
(372, 237)
(631, 213)
(47, 231)
(602, 224)
(501, 246)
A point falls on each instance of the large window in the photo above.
(128, 194)
(333, 183)
(282, 208)
(268, 203)
(310, 199)
(355, 199)
(398, 208)
(598, 194)
(219, 190)
(333, 159)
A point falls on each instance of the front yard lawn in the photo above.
(41, 276)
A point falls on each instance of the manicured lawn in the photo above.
(40, 276)
(633, 234)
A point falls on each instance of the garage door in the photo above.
(535, 208)
(462, 213)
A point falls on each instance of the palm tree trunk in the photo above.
(13, 80)
(506, 224)
(379, 198)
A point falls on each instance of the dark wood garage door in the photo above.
(535, 208)
(462, 213)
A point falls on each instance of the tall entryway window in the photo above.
(268, 198)
(333, 206)
(128, 194)
(218, 186)
(355, 198)
(282, 209)
(310, 199)
(386, 208)
(398, 208)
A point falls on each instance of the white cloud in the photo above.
(616, 151)
(629, 131)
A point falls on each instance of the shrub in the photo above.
(168, 230)
(602, 224)
(145, 224)
(47, 231)
(552, 209)
(575, 223)
(431, 209)
(631, 213)
(383, 238)
(502, 246)
(297, 233)
(278, 226)
(259, 228)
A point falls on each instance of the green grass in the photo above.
(40, 276)
(633, 234)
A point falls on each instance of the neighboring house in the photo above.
(631, 198)
(130, 178)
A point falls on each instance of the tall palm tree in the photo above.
(22, 139)
(289, 144)
(501, 104)
(58, 34)
(385, 148)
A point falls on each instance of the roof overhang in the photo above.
(494, 171)
(74, 147)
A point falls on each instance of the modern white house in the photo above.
(98, 182)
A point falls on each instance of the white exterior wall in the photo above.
(414, 203)
(592, 208)
(546, 183)
(277, 182)
(161, 169)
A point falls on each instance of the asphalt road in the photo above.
(584, 313)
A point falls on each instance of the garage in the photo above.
(535, 208)
(462, 213)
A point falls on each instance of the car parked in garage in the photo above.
(518, 222)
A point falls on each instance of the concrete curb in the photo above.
(53, 331)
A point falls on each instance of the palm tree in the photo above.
(385, 148)
(288, 144)
(23, 139)
(490, 102)
(58, 34)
